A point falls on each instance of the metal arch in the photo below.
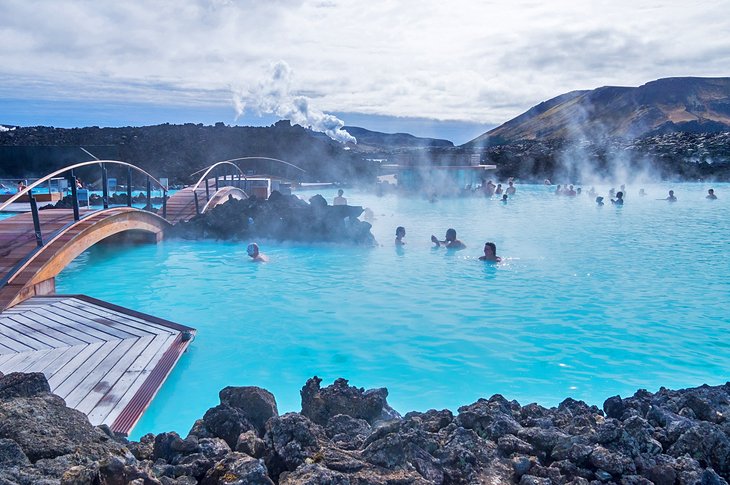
(207, 204)
(209, 169)
(258, 158)
(72, 167)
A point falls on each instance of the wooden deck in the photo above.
(106, 361)
(181, 206)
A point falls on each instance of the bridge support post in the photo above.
(197, 204)
(149, 195)
(129, 187)
(36, 219)
(74, 197)
(105, 188)
(164, 203)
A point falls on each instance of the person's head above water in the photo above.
(451, 234)
(490, 252)
(340, 192)
(400, 231)
(619, 195)
(253, 250)
(599, 200)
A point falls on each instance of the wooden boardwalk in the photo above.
(106, 361)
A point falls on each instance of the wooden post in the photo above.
(197, 205)
(149, 194)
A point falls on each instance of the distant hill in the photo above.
(389, 141)
(680, 104)
(176, 151)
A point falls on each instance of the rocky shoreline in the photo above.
(347, 435)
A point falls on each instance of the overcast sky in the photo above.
(475, 62)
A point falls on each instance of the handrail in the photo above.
(38, 182)
(256, 158)
(209, 169)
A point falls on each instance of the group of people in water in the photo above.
(451, 242)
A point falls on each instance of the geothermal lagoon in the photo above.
(589, 302)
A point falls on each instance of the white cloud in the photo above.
(460, 60)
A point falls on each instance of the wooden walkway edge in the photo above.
(104, 360)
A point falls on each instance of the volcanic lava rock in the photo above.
(320, 405)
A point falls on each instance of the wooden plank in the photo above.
(5, 350)
(6, 357)
(42, 360)
(45, 332)
(83, 334)
(10, 337)
(135, 322)
(127, 385)
(21, 360)
(79, 355)
(64, 381)
(89, 314)
(60, 312)
(110, 380)
(62, 358)
(77, 388)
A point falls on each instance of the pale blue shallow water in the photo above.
(590, 302)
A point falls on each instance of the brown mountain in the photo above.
(679, 104)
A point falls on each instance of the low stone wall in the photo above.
(347, 435)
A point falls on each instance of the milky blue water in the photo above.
(590, 302)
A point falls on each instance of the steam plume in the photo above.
(274, 96)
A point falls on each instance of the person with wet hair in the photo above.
(599, 201)
(619, 198)
(670, 197)
(490, 253)
(504, 198)
(498, 190)
(256, 255)
(400, 233)
(711, 195)
(450, 241)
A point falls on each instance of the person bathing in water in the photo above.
(400, 233)
(619, 198)
(490, 253)
(450, 241)
(256, 255)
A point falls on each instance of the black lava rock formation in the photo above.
(347, 435)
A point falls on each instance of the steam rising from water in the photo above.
(5, 128)
(274, 97)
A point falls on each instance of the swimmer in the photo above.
(504, 198)
(711, 195)
(570, 192)
(599, 201)
(490, 253)
(400, 233)
(558, 191)
(256, 256)
(511, 189)
(670, 197)
(339, 200)
(450, 242)
(619, 198)
(498, 190)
